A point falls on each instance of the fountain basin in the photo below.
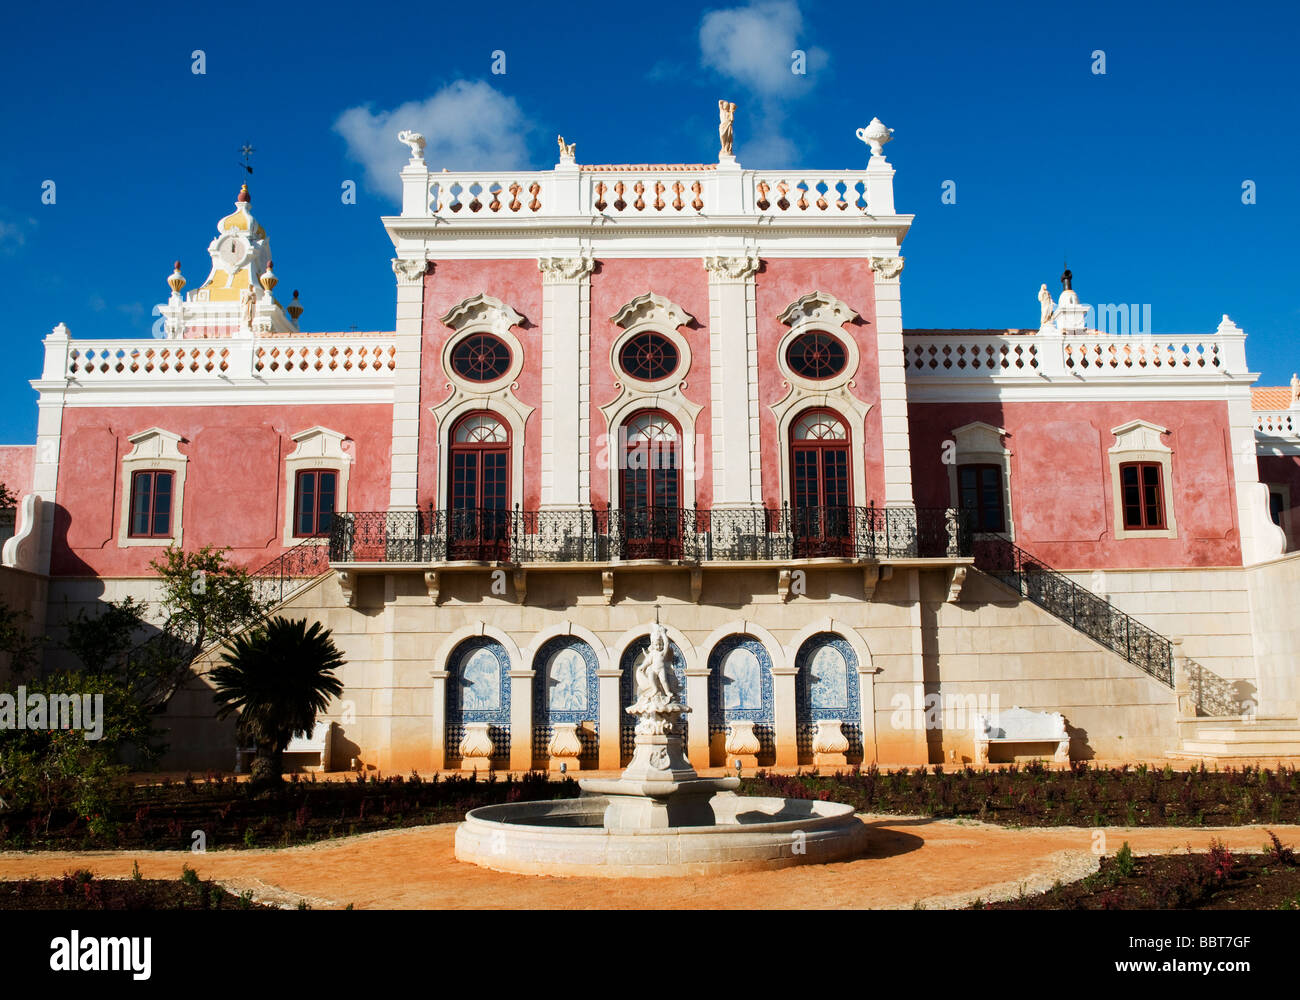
(568, 837)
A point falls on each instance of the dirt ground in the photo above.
(911, 861)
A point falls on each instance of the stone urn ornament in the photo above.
(476, 747)
(876, 135)
(830, 745)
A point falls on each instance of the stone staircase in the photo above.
(1230, 738)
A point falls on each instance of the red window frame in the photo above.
(1142, 496)
(313, 526)
(979, 488)
(145, 504)
(478, 493)
(837, 491)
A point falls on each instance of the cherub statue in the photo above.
(414, 140)
(1046, 306)
(726, 116)
(655, 682)
(567, 149)
(1295, 388)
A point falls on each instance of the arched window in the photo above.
(479, 494)
(650, 486)
(821, 497)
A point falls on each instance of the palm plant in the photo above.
(276, 678)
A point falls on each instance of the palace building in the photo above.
(621, 394)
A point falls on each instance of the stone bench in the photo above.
(319, 742)
(1019, 725)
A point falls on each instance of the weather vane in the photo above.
(248, 151)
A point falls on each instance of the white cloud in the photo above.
(753, 44)
(469, 125)
(13, 235)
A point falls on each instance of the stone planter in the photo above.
(830, 745)
(476, 748)
(565, 746)
(742, 744)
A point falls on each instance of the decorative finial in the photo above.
(1067, 279)
(1295, 388)
(176, 280)
(268, 278)
(415, 142)
(244, 197)
(726, 129)
(876, 135)
(248, 152)
(295, 307)
(567, 149)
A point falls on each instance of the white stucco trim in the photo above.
(442, 658)
(630, 401)
(566, 629)
(847, 632)
(752, 630)
(1139, 441)
(979, 443)
(317, 448)
(154, 449)
(504, 404)
(851, 409)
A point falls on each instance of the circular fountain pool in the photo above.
(568, 837)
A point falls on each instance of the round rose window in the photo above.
(649, 357)
(816, 356)
(480, 358)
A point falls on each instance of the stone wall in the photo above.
(1274, 588)
(990, 650)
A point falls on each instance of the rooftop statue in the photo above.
(726, 134)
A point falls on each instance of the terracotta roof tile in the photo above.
(609, 168)
(1270, 397)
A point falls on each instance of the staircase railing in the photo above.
(1077, 606)
(274, 582)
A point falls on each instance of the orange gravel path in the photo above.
(934, 863)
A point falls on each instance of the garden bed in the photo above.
(1216, 880)
(1035, 795)
(230, 814)
(80, 890)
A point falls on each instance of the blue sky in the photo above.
(1136, 174)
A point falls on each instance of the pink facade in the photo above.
(17, 463)
(1061, 486)
(516, 283)
(781, 282)
(235, 491)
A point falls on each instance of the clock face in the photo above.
(232, 250)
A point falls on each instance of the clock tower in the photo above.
(236, 299)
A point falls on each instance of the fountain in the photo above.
(659, 817)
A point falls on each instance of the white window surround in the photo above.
(482, 314)
(656, 314)
(153, 450)
(502, 404)
(820, 312)
(978, 443)
(626, 405)
(1139, 441)
(651, 312)
(317, 448)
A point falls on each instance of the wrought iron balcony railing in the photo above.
(587, 534)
